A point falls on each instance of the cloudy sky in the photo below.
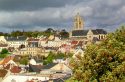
(58, 14)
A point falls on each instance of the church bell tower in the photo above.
(78, 22)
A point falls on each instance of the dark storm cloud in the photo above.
(41, 14)
(27, 5)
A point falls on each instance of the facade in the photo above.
(52, 41)
(16, 42)
(30, 51)
(33, 42)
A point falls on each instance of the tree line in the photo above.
(63, 33)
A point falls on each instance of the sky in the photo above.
(38, 15)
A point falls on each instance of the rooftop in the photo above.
(19, 38)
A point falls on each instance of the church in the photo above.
(90, 35)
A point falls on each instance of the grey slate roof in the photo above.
(35, 68)
(99, 31)
(84, 32)
(19, 38)
(49, 66)
(79, 32)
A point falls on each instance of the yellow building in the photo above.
(78, 22)
(30, 51)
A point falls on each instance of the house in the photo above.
(54, 68)
(65, 48)
(16, 42)
(33, 42)
(43, 41)
(54, 41)
(46, 69)
(8, 60)
(30, 51)
(61, 68)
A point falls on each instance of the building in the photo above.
(33, 42)
(90, 35)
(16, 42)
(30, 51)
(2, 40)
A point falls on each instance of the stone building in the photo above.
(86, 35)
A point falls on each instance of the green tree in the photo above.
(24, 61)
(64, 34)
(50, 58)
(4, 51)
(104, 62)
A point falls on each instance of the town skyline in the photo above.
(57, 14)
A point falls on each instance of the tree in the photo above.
(4, 51)
(104, 62)
(24, 61)
(16, 33)
(49, 58)
(64, 34)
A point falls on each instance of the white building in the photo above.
(16, 42)
(2, 39)
(23, 78)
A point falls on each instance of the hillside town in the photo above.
(45, 58)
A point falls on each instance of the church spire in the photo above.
(78, 22)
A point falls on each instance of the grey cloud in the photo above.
(29, 5)
(36, 14)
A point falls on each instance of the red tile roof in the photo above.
(63, 45)
(74, 42)
(7, 66)
(6, 60)
(15, 69)
(3, 72)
